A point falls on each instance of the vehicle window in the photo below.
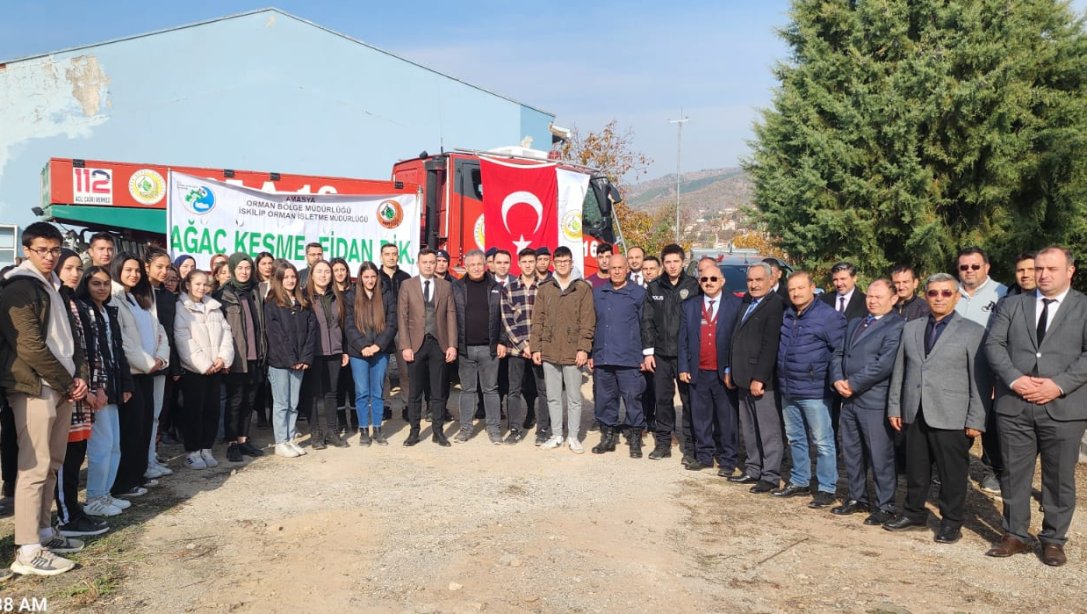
(591, 218)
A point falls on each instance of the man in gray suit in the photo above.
(1036, 349)
(861, 372)
(936, 387)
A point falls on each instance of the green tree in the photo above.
(903, 130)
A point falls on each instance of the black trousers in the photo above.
(521, 371)
(9, 446)
(950, 450)
(169, 417)
(428, 376)
(715, 421)
(201, 413)
(241, 393)
(67, 490)
(324, 381)
(135, 418)
(665, 380)
(345, 398)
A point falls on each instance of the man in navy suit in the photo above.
(705, 336)
(861, 372)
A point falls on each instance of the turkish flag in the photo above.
(520, 206)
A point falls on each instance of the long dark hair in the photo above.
(369, 312)
(347, 282)
(256, 263)
(142, 292)
(311, 289)
(281, 295)
(83, 291)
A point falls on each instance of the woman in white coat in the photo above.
(206, 349)
(148, 352)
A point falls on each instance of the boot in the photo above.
(379, 439)
(607, 440)
(661, 450)
(635, 443)
(335, 440)
(364, 436)
(413, 436)
(317, 440)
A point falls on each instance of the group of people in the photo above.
(96, 354)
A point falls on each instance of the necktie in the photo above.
(857, 334)
(750, 308)
(709, 311)
(931, 340)
(1043, 319)
(426, 291)
(841, 304)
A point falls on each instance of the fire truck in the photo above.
(129, 199)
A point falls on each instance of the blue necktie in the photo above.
(750, 308)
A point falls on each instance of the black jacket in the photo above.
(663, 310)
(755, 341)
(292, 335)
(393, 282)
(110, 355)
(495, 330)
(166, 307)
(855, 308)
(231, 299)
(356, 339)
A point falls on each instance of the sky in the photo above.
(640, 63)
(588, 63)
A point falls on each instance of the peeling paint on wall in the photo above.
(46, 97)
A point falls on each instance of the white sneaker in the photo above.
(285, 450)
(575, 445)
(209, 460)
(40, 563)
(60, 544)
(297, 450)
(195, 460)
(101, 506)
(554, 442)
(163, 468)
(137, 491)
(152, 473)
(121, 504)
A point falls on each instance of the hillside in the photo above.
(711, 201)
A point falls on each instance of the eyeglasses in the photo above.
(943, 293)
(969, 267)
(42, 252)
(712, 278)
(563, 260)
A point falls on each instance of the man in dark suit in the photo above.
(936, 393)
(427, 340)
(847, 299)
(861, 373)
(751, 372)
(776, 285)
(1036, 349)
(705, 337)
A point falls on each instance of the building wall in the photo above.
(261, 91)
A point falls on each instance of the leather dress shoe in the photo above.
(850, 507)
(947, 534)
(878, 517)
(687, 460)
(763, 486)
(792, 490)
(413, 438)
(440, 439)
(695, 465)
(1053, 555)
(743, 478)
(660, 452)
(726, 472)
(905, 523)
(1007, 546)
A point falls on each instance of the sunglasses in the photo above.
(943, 293)
(712, 278)
(969, 267)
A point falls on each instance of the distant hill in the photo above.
(710, 190)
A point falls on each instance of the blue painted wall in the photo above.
(261, 91)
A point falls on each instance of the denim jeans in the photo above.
(103, 452)
(810, 419)
(286, 384)
(477, 362)
(555, 376)
(369, 376)
(160, 398)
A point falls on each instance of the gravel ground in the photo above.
(481, 527)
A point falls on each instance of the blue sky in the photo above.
(635, 61)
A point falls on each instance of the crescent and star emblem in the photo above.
(519, 198)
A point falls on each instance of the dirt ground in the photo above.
(479, 527)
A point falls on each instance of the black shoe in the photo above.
(413, 437)
(83, 525)
(687, 460)
(608, 437)
(878, 517)
(947, 534)
(695, 465)
(905, 523)
(634, 441)
(234, 453)
(762, 487)
(850, 507)
(336, 441)
(660, 451)
(515, 437)
(792, 490)
(379, 438)
(364, 437)
(727, 472)
(440, 438)
(822, 499)
(743, 478)
(249, 449)
(317, 441)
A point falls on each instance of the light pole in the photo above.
(679, 152)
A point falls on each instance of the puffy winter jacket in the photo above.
(202, 334)
(139, 361)
(663, 311)
(292, 335)
(808, 341)
(563, 321)
(356, 339)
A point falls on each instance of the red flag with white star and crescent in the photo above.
(520, 206)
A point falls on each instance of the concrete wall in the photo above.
(261, 91)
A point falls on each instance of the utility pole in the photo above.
(679, 152)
